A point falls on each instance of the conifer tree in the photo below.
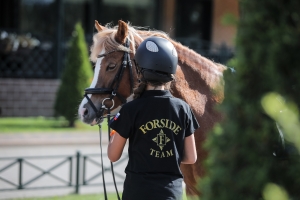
(245, 153)
(76, 77)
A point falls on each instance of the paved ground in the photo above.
(47, 144)
(58, 138)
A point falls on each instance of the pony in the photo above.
(199, 82)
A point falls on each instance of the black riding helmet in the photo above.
(157, 59)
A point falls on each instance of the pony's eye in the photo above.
(111, 67)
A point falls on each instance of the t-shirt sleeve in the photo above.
(192, 123)
(121, 123)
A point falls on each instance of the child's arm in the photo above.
(115, 146)
(189, 152)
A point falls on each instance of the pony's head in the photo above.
(114, 77)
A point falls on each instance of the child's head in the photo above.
(156, 60)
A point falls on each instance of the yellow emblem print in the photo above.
(161, 139)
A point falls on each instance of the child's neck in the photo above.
(150, 87)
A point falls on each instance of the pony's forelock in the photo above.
(105, 39)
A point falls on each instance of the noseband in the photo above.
(113, 90)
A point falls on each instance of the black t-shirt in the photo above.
(156, 125)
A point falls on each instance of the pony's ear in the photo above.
(122, 32)
(98, 26)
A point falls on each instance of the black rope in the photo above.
(130, 74)
(111, 164)
(103, 179)
(122, 69)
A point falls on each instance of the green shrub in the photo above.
(242, 161)
(76, 77)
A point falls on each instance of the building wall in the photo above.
(27, 97)
(168, 17)
(224, 33)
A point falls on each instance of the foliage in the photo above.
(75, 77)
(274, 192)
(246, 159)
(286, 114)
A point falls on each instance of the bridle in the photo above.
(113, 91)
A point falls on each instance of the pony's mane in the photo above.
(105, 39)
(210, 71)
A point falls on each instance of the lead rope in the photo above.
(111, 164)
(103, 179)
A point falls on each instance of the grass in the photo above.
(75, 197)
(11, 125)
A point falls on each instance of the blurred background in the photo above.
(34, 36)
(253, 154)
(38, 148)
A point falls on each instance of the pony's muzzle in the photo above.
(88, 115)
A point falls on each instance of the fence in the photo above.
(18, 170)
(26, 56)
(28, 63)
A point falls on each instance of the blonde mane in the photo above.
(106, 39)
(189, 60)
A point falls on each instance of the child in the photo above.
(160, 128)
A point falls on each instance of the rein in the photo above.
(111, 164)
(113, 91)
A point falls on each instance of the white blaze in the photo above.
(93, 84)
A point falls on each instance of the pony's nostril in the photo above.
(83, 112)
(86, 112)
